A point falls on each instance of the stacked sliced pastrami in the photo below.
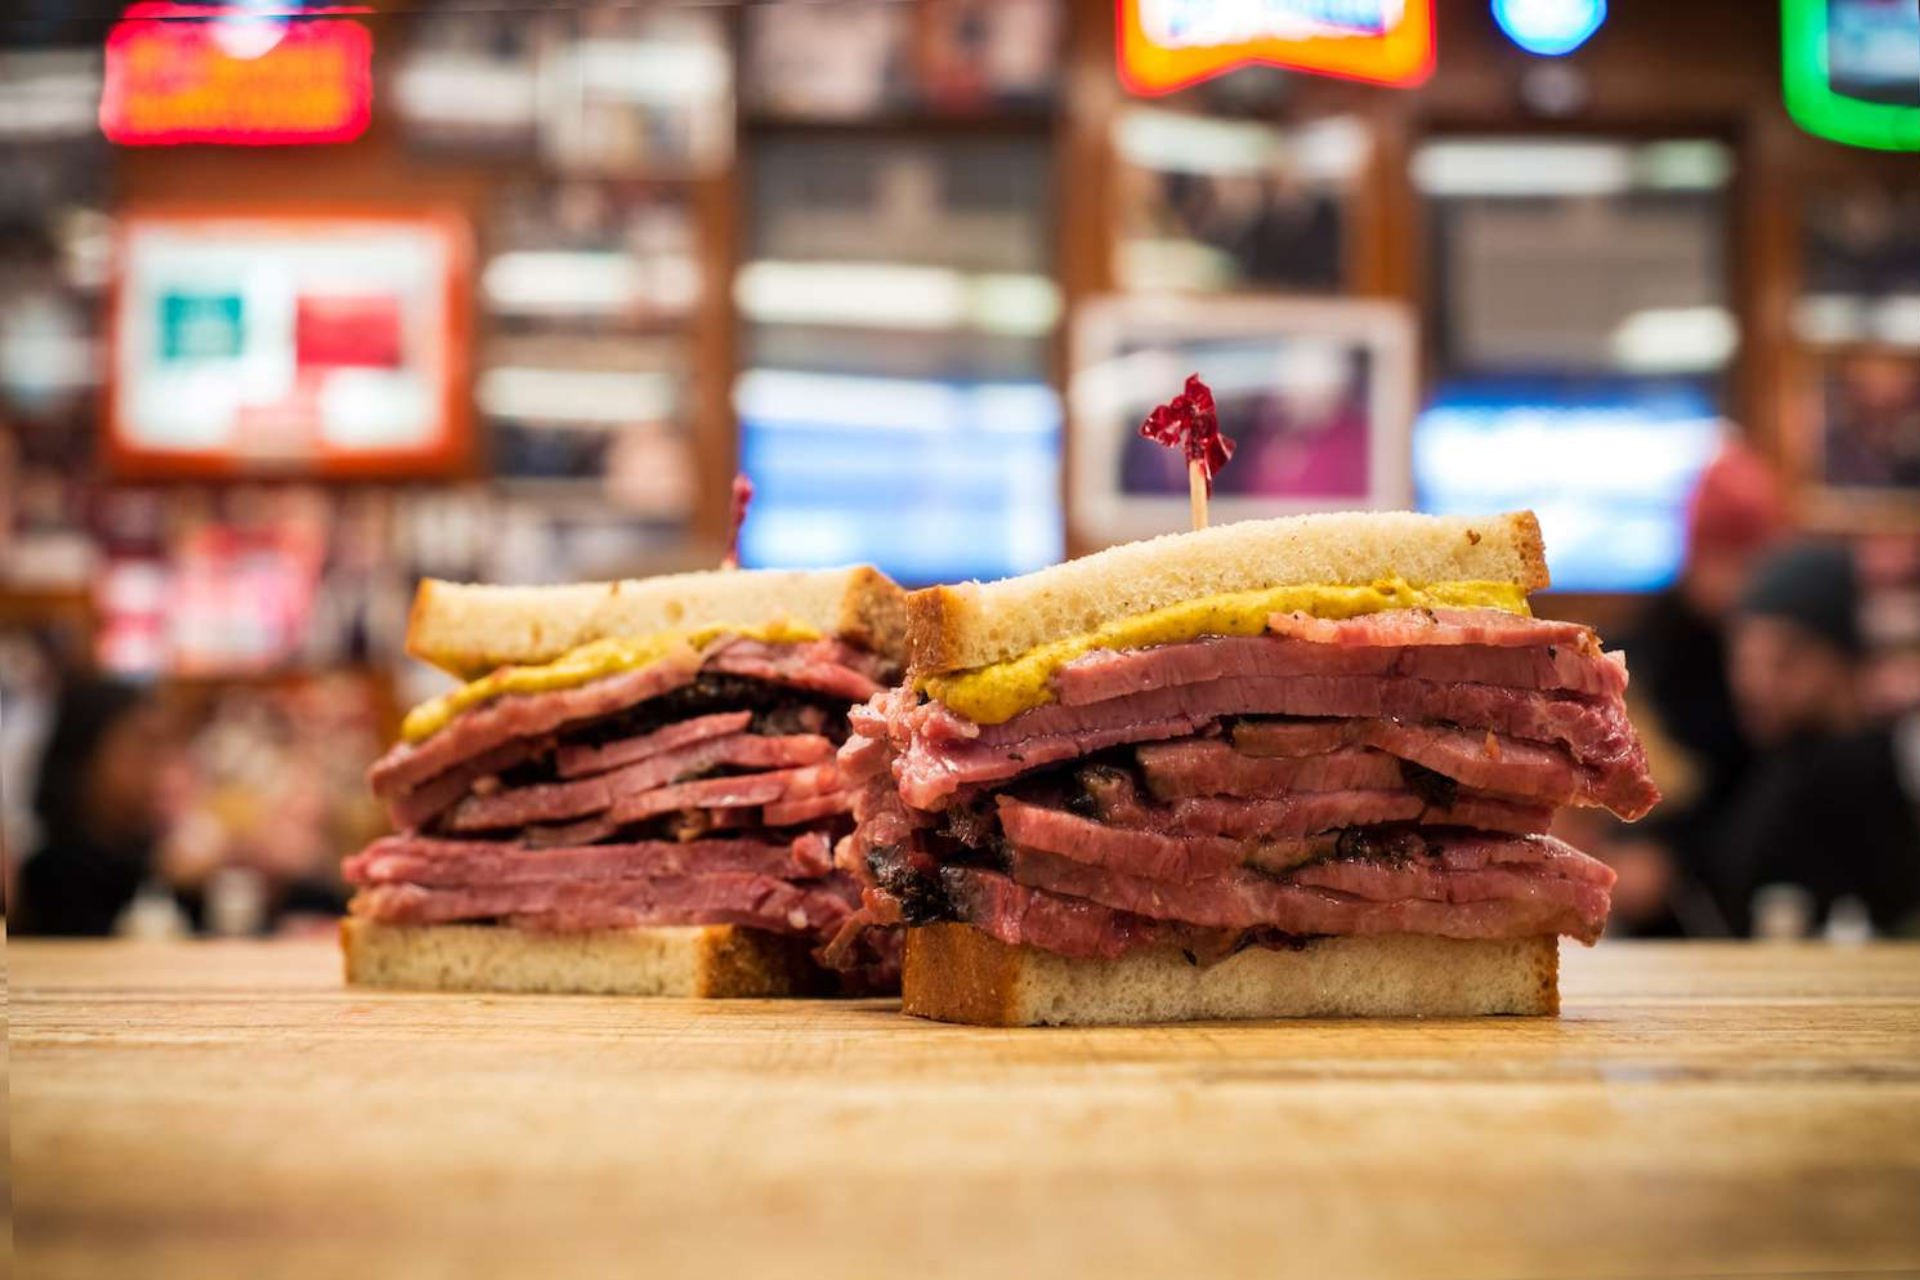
(1396, 772)
(700, 788)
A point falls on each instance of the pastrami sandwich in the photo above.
(1296, 767)
(636, 791)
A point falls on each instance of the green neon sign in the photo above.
(1815, 106)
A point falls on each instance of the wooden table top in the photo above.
(225, 1109)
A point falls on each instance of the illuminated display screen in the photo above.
(323, 345)
(930, 481)
(1853, 70)
(1607, 466)
(1169, 44)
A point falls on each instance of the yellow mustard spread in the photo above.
(594, 660)
(996, 693)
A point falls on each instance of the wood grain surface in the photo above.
(219, 1110)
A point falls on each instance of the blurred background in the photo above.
(299, 304)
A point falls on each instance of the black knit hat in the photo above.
(1813, 585)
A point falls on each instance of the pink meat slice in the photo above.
(555, 801)
(739, 792)
(931, 766)
(524, 716)
(813, 909)
(1493, 762)
(1443, 627)
(1115, 673)
(438, 863)
(820, 667)
(559, 834)
(1148, 854)
(1021, 916)
(1311, 812)
(1211, 767)
(584, 761)
(412, 810)
(1520, 901)
(1306, 813)
(787, 813)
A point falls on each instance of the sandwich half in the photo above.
(635, 792)
(1297, 767)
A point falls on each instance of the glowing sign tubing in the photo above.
(1811, 99)
(167, 81)
(1401, 55)
(1550, 28)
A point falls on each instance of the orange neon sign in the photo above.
(1165, 45)
(169, 79)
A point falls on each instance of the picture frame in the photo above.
(1319, 394)
(1853, 439)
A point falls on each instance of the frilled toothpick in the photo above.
(1188, 422)
(742, 498)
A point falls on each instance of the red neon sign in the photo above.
(1169, 44)
(170, 80)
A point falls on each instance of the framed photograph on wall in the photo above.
(1856, 449)
(1318, 395)
(293, 344)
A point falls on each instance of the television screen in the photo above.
(1853, 70)
(1873, 51)
(931, 481)
(1607, 466)
(323, 345)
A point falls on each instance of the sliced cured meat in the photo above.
(1430, 627)
(743, 791)
(1489, 761)
(1149, 854)
(821, 667)
(557, 835)
(552, 802)
(930, 767)
(1305, 813)
(742, 898)
(1019, 916)
(1211, 767)
(1495, 903)
(412, 810)
(786, 813)
(580, 761)
(437, 863)
(525, 716)
(1312, 812)
(1113, 673)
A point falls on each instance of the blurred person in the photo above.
(100, 807)
(1832, 807)
(1682, 698)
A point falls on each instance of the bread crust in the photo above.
(469, 629)
(956, 973)
(702, 961)
(971, 624)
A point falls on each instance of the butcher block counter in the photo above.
(203, 1110)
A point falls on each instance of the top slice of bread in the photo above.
(970, 625)
(469, 630)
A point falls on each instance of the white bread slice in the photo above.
(470, 629)
(714, 961)
(972, 624)
(956, 973)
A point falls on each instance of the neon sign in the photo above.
(1549, 28)
(188, 73)
(1852, 70)
(1169, 44)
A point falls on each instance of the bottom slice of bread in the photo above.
(696, 960)
(955, 973)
